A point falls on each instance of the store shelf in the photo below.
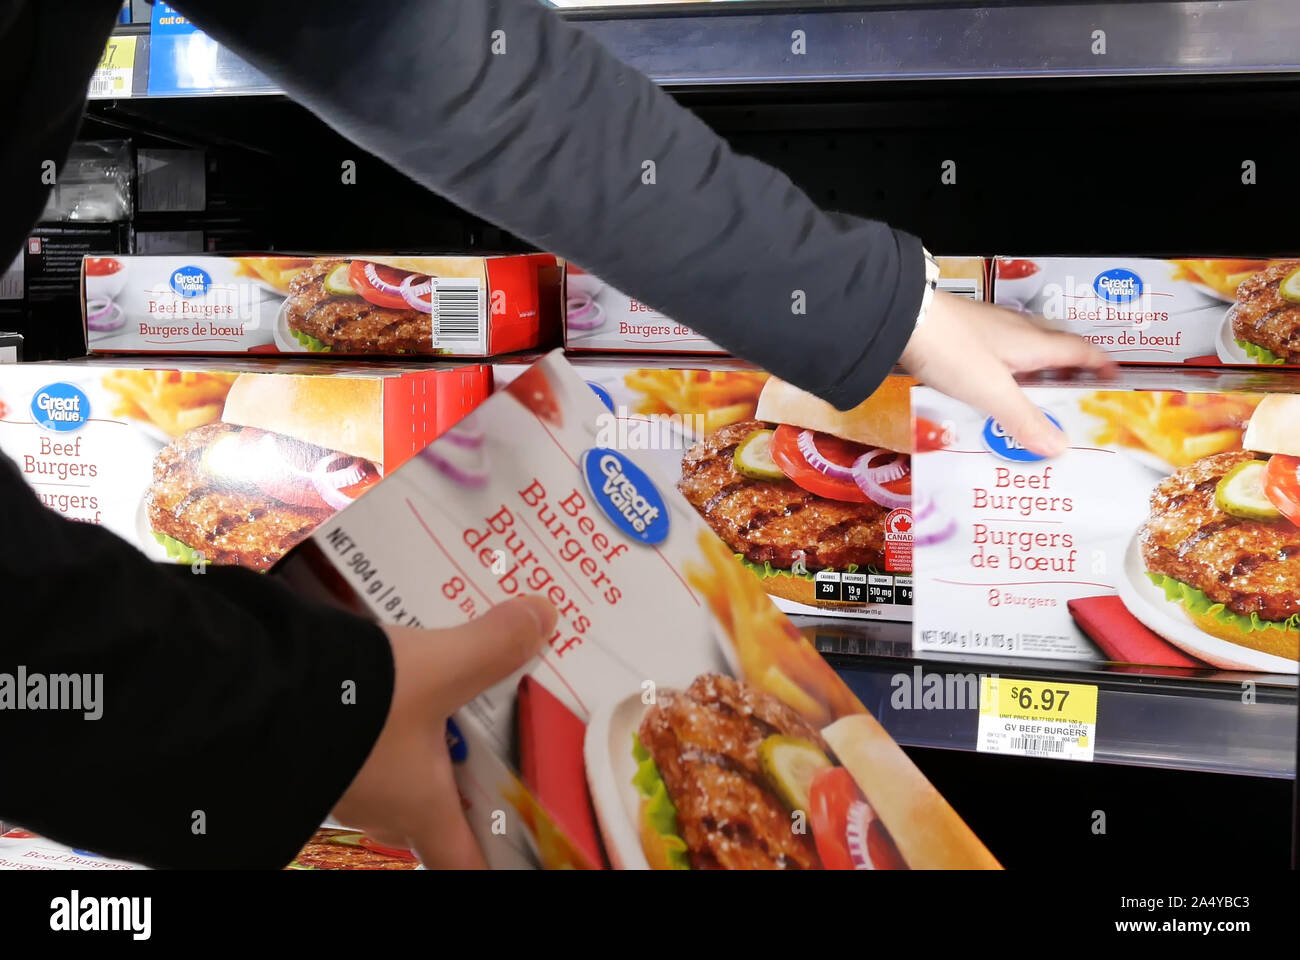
(1146, 716)
(722, 43)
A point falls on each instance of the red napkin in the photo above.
(1122, 638)
(552, 768)
(1212, 360)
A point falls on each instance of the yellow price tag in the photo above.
(1038, 718)
(113, 76)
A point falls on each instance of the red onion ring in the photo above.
(587, 315)
(872, 488)
(808, 447)
(925, 510)
(473, 479)
(330, 483)
(411, 293)
(95, 314)
(383, 286)
(895, 468)
(858, 827)
(464, 437)
(934, 536)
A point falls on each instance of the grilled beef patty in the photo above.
(774, 521)
(231, 525)
(704, 742)
(1264, 317)
(353, 324)
(1248, 566)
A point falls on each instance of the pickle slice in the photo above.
(753, 458)
(1289, 288)
(788, 764)
(337, 283)
(1241, 493)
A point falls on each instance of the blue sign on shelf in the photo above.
(185, 61)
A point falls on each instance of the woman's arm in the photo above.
(504, 108)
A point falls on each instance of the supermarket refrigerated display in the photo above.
(1200, 71)
(772, 41)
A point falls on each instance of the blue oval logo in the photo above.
(456, 745)
(1001, 444)
(190, 281)
(60, 407)
(626, 495)
(603, 394)
(1118, 285)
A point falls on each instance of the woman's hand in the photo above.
(404, 795)
(971, 351)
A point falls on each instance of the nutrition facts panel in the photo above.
(835, 587)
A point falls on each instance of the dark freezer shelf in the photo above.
(1184, 720)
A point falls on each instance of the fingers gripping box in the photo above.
(1167, 534)
(230, 463)
(675, 719)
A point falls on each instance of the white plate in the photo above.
(145, 538)
(607, 756)
(284, 340)
(1147, 602)
(1226, 344)
(1211, 292)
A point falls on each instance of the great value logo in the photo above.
(190, 282)
(60, 407)
(626, 495)
(1118, 285)
(1003, 445)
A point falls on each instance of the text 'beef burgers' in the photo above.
(288, 453)
(805, 487)
(1223, 538)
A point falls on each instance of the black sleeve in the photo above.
(507, 110)
(231, 715)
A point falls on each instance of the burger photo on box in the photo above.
(803, 487)
(1265, 317)
(1222, 546)
(288, 452)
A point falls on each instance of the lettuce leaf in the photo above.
(765, 569)
(310, 342)
(1260, 354)
(1198, 604)
(178, 551)
(659, 809)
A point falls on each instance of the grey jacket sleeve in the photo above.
(507, 110)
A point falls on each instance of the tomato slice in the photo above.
(362, 285)
(399, 853)
(787, 455)
(929, 435)
(830, 795)
(1282, 485)
(534, 391)
(369, 478)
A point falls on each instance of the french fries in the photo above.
(774, 656)
(276, 271)
(174, 400)
(1178, 428)
(722, 397)
(1221, 276)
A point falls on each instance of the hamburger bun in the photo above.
(338, 413)
(1280, 643)
(926, 830)
(1272, 427)
(884, 419)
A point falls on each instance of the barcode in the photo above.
(456, 311)
(102, 86)
(1037, 745)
